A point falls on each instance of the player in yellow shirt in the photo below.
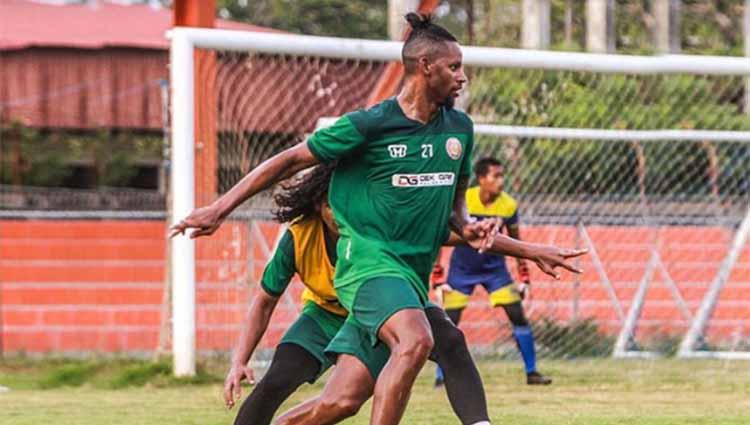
(469, 268)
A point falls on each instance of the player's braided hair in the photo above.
(301, 195)
(425, 38)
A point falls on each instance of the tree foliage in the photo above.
(342, 18)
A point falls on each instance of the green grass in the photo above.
(591, 392)
(26, 374)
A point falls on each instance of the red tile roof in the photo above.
(25, 23)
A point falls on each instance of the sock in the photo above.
(439, 374)
(525, 340)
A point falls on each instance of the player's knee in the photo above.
(341, 405)
(349, 406)
(450, 347)
(417, 346)
(452, 339)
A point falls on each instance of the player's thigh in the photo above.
(351, 343)
(350, 385)
(313, 331)
(458, 297)
(502, 293)
(407, 328)
(380, 300)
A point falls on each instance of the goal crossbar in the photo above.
(495, 57)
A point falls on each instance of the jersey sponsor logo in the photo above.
(423, 180)
(453, 147)
(397, 151)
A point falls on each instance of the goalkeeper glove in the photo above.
(437, 278)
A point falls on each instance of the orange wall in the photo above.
(98, 286)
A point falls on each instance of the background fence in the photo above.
(658, 212)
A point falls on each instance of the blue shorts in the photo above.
(490, 283)
(501, 292)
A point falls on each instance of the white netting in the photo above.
(659, 216)
(658, 209)
(661, 208)
(263, 104)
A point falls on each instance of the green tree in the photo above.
(342, 18)
(584, 100)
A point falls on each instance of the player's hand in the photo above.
(480, 235)
(232, 387)
(549, 257)
(205, 220)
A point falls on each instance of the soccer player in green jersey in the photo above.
(308, 249)
(403, 168)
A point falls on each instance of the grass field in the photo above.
(592, 392)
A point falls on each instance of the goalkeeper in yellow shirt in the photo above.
(469, 268)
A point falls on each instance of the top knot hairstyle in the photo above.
(418, 21)
(425, 39)
(301, 196)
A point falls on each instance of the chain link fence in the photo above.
(661, 208)
(658, 197)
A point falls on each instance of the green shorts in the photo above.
(313, 330)
(353, 339)
(374, 301)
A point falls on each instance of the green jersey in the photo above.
(393, 188)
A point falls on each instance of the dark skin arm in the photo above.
(258, 317)
(206, 220)
(514, 232)
(546, 257)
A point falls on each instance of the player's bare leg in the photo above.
(348, 388)
(407, 334)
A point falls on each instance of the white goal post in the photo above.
(184, 41)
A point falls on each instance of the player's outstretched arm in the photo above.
(206, 220)
(258, 317)
(547, 257)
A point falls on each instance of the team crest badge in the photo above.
(453, 147)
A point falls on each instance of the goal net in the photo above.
(644, 161)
